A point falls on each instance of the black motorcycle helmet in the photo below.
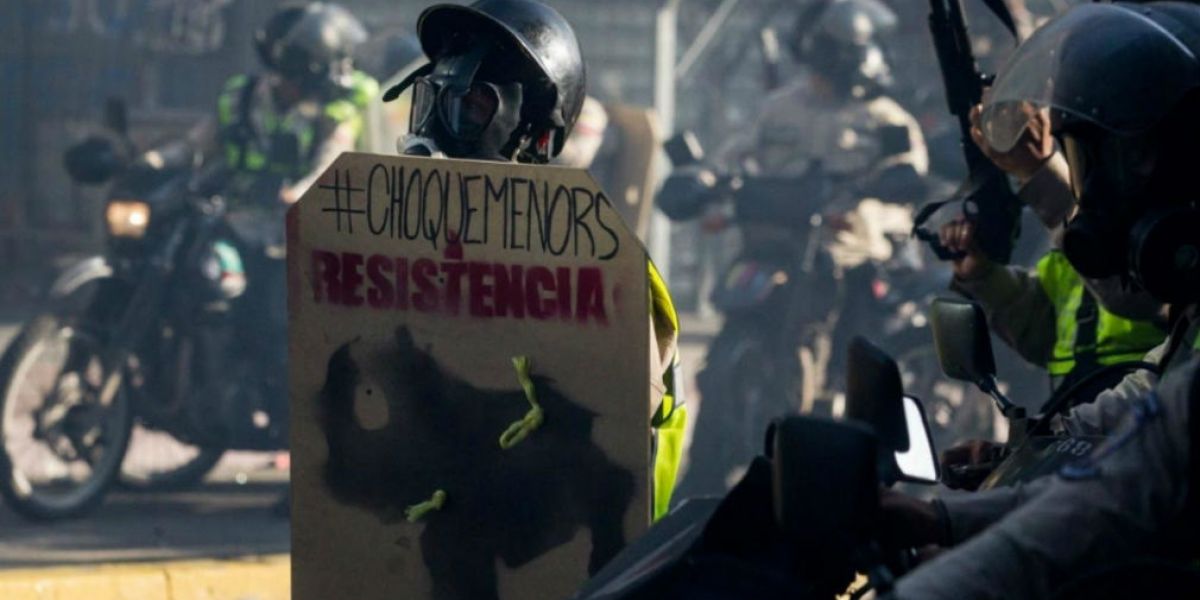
(1122, 84)
(839, 39)
(506, 80)
(311, 45)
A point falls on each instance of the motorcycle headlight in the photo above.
(127, 218)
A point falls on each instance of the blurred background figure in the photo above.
(821, 189)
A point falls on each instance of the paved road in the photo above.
(220, 518)
(217, 520)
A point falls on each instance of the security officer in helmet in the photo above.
(837, 114)
(283, 126)
(506, 82)
(1126, 121)
(836, 123)
(1088, 334)
(275, 132)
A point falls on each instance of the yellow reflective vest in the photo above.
(249, 126)
(1087, 335)
(671, 417)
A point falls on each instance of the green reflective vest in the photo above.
(1087, 334)
(251, 127)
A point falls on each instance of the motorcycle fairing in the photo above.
(747, 284)
(79, 274)
(654, 553)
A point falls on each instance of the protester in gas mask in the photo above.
(506, 82)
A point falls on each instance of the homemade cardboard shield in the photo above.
(418, 289)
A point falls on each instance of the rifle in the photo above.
(985, 196)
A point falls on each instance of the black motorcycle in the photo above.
(140, 339)
(788, 308)
(803, 521)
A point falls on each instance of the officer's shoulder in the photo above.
(364, 89)
(1182, 380)
(1054, 263)
(795, 92)
(886, 109)
(236, 82)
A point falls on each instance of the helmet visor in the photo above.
(1110, 65)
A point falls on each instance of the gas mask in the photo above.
(456, 113)
(1127, 225)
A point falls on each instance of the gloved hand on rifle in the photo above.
(1030, 153)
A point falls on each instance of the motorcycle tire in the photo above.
(15, 486)
(183, 475)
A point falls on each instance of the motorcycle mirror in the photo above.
(962, 340)
(875, 394)
(684, 149)
(837, 458)
(93, 161)
(116, 116)
(919, 463)
(964, 349)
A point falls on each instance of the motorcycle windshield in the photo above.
(1106, 64)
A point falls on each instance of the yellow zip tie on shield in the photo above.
(533, 419)
(417, 512)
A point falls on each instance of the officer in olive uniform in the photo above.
(277, 132)
(506, 82)
(1131, 163)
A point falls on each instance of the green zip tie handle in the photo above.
(417, 512)
(533, 419)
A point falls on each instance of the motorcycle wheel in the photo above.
(61, 447)
(157, 462)
(742, 387)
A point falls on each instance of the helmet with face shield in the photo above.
(312, 45)
(1122, 85)
(839, 40)
(505, 82)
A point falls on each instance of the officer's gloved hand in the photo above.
(966, 465)
(959, 237)
(1032, 150)
(908, 522)
(172, 155)
(687, 192)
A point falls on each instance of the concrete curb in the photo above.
(254, 578)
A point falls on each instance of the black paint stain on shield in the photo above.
(442, 433)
